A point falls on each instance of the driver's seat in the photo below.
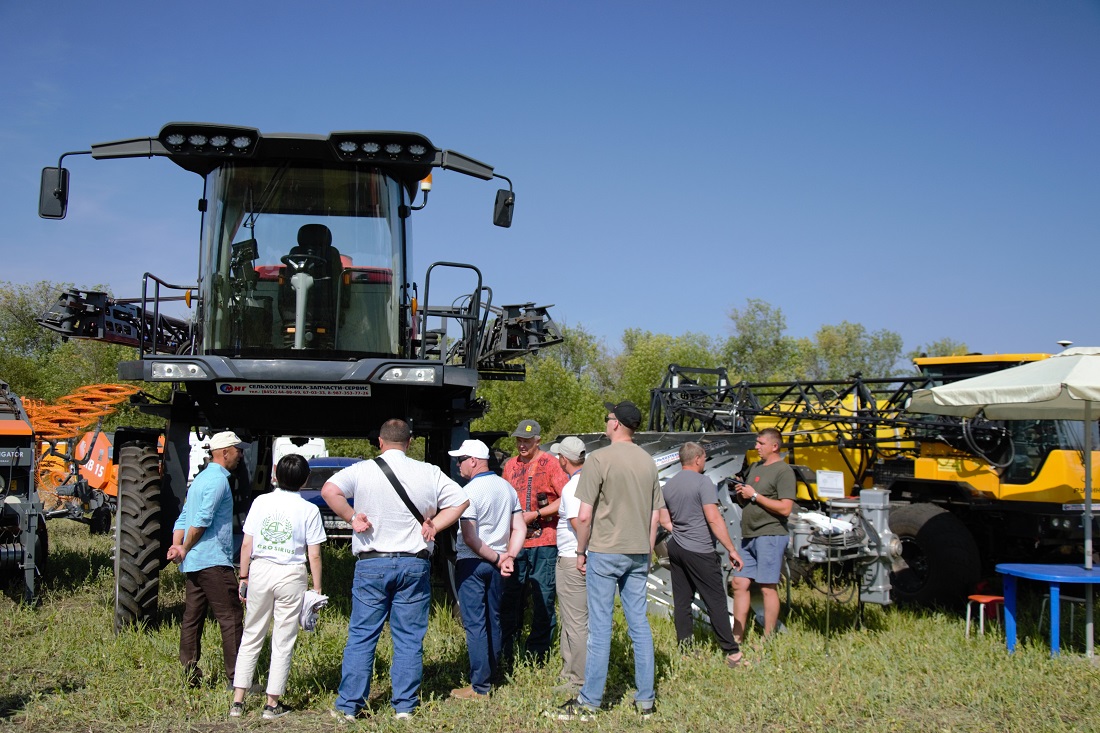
(314, 255)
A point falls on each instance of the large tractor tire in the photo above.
(139, 552)
(444, 567)
(939, 563)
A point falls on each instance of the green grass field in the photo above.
(63, 669)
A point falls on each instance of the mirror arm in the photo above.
(60, 161)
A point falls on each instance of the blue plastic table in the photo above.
(1055, 575)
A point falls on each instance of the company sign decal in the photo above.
(286, 389)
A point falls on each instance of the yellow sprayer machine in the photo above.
(964, 494)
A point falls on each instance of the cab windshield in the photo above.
(300, 259)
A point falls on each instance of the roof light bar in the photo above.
(202, 139)
(383, 147)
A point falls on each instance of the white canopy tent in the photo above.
(1064, 387)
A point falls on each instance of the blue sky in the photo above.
(932, 168)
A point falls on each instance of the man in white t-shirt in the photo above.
(392, 577)
(281, 531)
(572, 596)
(492, 535)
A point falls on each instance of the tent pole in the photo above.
(1088, 528)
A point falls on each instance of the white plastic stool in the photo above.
(1072, 600)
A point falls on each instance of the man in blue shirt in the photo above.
(202, 545)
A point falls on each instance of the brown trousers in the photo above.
(214, 588)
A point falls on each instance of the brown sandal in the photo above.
(737, 660)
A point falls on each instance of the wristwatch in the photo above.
(753, 497)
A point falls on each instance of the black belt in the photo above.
(371, 555)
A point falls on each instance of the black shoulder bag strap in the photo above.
(399, 489)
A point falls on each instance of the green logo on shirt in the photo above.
(276, 529)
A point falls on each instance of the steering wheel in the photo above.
(304, 263)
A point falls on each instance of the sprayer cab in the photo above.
(304, 239)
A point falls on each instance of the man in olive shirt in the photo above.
(767, 498)
(620, 499)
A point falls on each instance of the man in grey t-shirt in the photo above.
(691, 514)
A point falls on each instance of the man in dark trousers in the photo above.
(691, 514)
(202, 545)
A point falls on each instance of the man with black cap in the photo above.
(620, 499)
(202, 545)
(538, 481)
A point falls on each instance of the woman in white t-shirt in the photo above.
(281, 531)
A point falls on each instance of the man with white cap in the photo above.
(572, 596)
(537, 479)
(492, 535)
(202, 545)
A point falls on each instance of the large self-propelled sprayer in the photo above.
(962, 494)
(306, 320)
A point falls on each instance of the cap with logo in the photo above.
(527, 429)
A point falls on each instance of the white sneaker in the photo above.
(402, 716)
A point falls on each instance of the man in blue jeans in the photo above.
(620, 498)
(392, 574)
(492, 535)
(538, 480)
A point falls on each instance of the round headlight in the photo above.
(370, 147)
(242, 142)
(393, 148)
(175, 139)
(348, 147)
(417, 149)
(219, 141)
(197, 140)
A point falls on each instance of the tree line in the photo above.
(566, 384)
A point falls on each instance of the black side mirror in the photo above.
(502, 210)
(53, 195)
